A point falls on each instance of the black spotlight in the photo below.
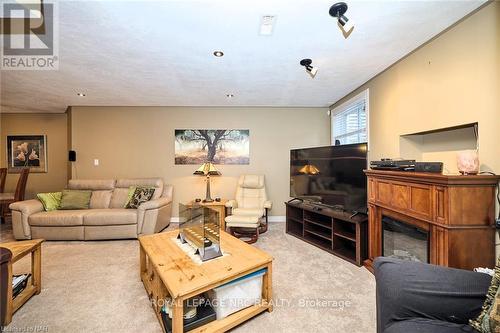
(338, 10)
(310, 69)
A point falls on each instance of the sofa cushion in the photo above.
(110, 217)
(57, 218)
(251, 181)
(119, 198)
(424, 325)
(242, 221)
(485, 322)
(100, 199)
(157, 183)
(248, 211)
(75, 199)
(50, 201)
(140, 195)
(91, 184)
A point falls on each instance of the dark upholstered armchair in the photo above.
(5, 256)
(417, 297)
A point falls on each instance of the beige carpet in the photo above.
(95, 287)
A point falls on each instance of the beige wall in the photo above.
(452, 80)
(54, 127)
(139, 142)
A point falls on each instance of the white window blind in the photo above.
(349, 121)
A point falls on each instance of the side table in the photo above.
(219, 206)
(19, 250)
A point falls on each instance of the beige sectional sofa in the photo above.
(106, 219)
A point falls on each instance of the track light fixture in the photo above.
(338, 10)
(311, 70)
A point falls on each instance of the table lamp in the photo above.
(207, 169)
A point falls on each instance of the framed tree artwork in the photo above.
(26, 151)
(193, 146)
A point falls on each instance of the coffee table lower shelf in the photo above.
(233, 320)
(220, 325)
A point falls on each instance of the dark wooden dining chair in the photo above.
(7, 198)
(3, 176)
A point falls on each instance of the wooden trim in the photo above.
(434, 178)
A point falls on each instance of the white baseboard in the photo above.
(275, 218)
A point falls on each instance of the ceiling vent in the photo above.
(267, 23)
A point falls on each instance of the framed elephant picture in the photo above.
(26, 151)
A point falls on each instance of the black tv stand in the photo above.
(295, 200)
(354, 214)
(336, 231)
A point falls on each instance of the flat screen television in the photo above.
(331, 176)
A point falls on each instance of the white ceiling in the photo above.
(159, 53)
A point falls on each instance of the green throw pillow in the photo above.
(488, 318)
(50, 201)
(75, 199)
(131, 191)
(140, 195)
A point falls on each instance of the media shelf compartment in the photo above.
(344, 230)
(344, 248)
(294, 213)
(318, 231)
(324, 225)
(332, 231)
(318, 218)
(318, 241)
(294, 227)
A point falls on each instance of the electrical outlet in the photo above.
(96, 162)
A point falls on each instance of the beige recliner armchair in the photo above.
(249, 209)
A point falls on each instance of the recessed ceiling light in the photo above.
(218, 54)
(80, 94)
(229, 95)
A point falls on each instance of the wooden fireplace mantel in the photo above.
(457, 211)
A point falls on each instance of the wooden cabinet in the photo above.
(457, 211)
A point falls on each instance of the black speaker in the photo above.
(72, 156)
(436, 167)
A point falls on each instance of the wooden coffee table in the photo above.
(168, 272)
(19, 250)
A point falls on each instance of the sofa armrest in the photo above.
(168, 192)
(155, 204)
(153, 216)
(27, 207)
(268, 204)
(21, 212)
(407, 289)
(231, 204)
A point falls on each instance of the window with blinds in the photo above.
(349, 121)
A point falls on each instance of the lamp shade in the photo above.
(207, 169)
(309, 169)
